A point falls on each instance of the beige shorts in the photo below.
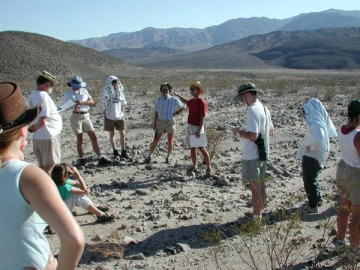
(110, 125)
(80, 200)
(192, 130)
(81, 123)
(165, 126)
(348, 182)
(253, 171)
(47, 152)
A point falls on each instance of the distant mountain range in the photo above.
(192, 39)
(324, 46)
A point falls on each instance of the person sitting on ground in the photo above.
(197, 111)
(166, 107)
(315, 149)
(76, 196)
(80, 118)
(28, 198)
(348, 179)
(113, 104)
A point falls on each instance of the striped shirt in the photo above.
(166, 107)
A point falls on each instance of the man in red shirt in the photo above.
(197, 111)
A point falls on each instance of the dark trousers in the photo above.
(311, 169)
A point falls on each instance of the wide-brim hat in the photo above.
(246, 87)
(76, 82)
(13, 111)
(167, 84)
(48, 76)
(198, 85)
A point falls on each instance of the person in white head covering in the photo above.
(315, 149)
(113, 102)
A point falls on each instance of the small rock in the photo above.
(138, 256)
(222, 181)
(183, 247)
(97, 238)
(141, 192)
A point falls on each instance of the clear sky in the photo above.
(80, 19)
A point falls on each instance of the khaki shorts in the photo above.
(80, 200)
(81, 123)
(110, 125)
(165, 126)
(47, 152)
(192, 130)
(253, 171)
(348, 182)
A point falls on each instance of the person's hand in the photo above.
(32, 129)
(235, 131)
(197, 134)
(174, 93)
(73, 170)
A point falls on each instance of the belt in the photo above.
(81, 112)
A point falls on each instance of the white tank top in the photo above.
(348, 151)
(22, 242)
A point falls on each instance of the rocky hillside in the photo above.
(313, 49)
(22, 54)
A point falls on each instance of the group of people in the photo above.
(31, 199)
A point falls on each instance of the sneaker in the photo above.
(167, 160)
(103, 161)
(192, 170)
(82, 162)
(124, 154)
(147, 160)
(313, 210)
(340, 245)
(104, 208)
(116, 153)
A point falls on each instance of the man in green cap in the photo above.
(256, 144)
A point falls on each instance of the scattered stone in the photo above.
(141, 192)
(183, 247)
(222, 181)
(97, 238)
(138, 256)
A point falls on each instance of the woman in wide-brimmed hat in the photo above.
(28, 197)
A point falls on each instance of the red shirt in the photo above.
(197, 109)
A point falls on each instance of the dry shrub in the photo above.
(112, 248)
(214, 139)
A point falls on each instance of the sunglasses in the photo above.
(193, 88)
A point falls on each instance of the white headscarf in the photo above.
(319, 124)
(109, 93)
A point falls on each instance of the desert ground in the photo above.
(168, 219)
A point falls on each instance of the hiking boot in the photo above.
(147, 160)
(124, 154)
(167, 160)
(116, 153)
(103, 161)
(82, 162)
(312, 210)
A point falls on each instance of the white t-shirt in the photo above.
(256, 122)
(82, 95)
(53, 123)
(115, 112)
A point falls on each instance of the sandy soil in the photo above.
(160, 205)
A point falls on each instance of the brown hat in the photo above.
(13, 111)
(198, 85)
(49, 77)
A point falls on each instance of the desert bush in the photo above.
(214, 139)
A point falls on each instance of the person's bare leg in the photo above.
(354, 227)
(112, 139)
(94, 142)
(155, 142)
(122, 139)
(343, 217)
(206, 157)
(170, 143)
(79, 142)
(193, 156)
(256, 198)
(94, 210)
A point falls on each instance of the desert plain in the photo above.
(169, 219)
